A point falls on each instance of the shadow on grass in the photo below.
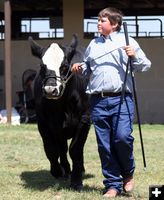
(42, 180)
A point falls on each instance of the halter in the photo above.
(63, 82)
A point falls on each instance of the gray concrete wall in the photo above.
(150, 85)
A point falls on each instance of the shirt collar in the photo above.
(110, 36)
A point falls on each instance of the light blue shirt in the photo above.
(106, 61)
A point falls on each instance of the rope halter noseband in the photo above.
(62, 80)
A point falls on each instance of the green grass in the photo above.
(24, 168)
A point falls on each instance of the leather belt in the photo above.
(110, 94)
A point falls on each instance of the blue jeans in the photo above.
(113, 123)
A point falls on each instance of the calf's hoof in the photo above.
(77, 187)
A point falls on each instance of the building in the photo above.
(68, 16)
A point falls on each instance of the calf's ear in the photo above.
(36, 49)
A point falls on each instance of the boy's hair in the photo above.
(114, 15)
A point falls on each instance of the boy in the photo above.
(106, 60)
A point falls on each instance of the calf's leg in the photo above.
(76, 153)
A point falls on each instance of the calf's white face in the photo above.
(53, 59)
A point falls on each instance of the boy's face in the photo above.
(105, 27)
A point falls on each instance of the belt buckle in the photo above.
(102, 94)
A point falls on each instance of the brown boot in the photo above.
(128, 184)
(111, 193)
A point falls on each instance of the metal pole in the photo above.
(8, 92)
(135, 94)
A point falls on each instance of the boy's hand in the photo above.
(76, 67)
(130, 51)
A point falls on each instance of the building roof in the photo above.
(42, 8)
